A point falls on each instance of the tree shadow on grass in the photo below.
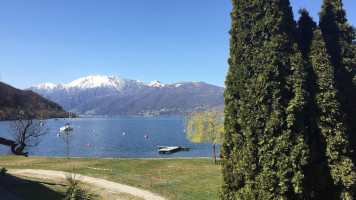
(32, 190)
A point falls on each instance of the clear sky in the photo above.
(167, 40)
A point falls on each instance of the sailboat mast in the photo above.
(69, 113)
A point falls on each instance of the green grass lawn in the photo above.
(193, 176)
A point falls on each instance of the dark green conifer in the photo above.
(330, 143)
(306, 26)
(264, 149)
(324, 121)
(317, 181)
(281, 141)
(339, 37)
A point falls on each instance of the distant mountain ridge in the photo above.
(110, 96)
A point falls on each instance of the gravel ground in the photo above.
(109, 185)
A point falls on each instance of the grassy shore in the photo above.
(192, 176)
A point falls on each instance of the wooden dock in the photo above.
(171, 149)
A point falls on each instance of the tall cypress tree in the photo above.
(317, 181)
(306, 26)
(264, 148)
(330, 172)
(330, 159)
(339, 38)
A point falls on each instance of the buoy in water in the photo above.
(88, 144)
(58, 135)
(94, 130)
(146, 136)
(123, 133)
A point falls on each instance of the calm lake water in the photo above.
(108, 141)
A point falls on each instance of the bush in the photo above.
(75, 191)
(3, 171)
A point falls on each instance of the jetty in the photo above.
(171, 149)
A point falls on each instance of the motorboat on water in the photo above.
(66, 127)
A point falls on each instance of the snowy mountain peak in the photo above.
(155, 84)
(45, 86)
(109, 83)
(93, 82)
(112, 96)
(102, 81)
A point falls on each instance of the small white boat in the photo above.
(41, 121)
(66, 127)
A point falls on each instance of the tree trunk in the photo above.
(214, 156)
(6, 142)
(13, 146)
(20, 147)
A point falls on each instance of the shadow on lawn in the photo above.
(32, 190)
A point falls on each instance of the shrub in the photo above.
(3, 171)
(75, 191)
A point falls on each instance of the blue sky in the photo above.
(167, 40)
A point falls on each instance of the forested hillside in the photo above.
(14, 101)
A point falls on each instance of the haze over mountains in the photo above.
(111, 96)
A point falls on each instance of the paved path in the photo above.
(121, 188)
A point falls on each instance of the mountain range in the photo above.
(110, 96)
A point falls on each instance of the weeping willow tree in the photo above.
(205, 127)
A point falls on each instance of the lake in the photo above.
(106, 138)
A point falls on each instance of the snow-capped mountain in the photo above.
(91, 82)
(111, 96)
(155, 84)
(46, 86)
